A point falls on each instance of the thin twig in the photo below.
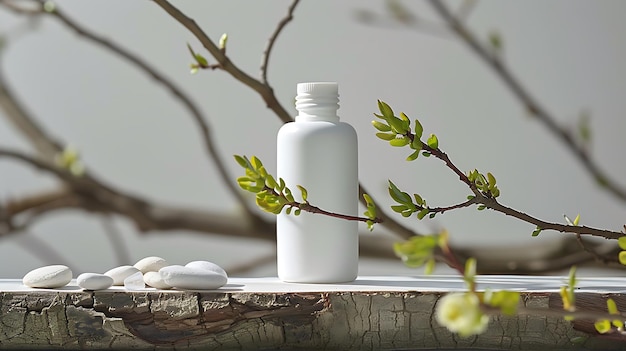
(531, 104)
(490, 202)
(270, 43)
(266, 93)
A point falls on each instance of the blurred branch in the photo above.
(270, 43)
(21, 118)
(530, 103)
(44, 143)
(93, 195)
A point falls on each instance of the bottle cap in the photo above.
(316, 99)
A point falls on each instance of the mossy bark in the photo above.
(168, 320)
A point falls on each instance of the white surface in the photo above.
(387, 284)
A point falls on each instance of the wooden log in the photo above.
(310, 317)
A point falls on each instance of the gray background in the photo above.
(570, 54)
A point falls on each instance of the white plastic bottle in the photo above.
(318, 152)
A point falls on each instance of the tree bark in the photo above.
(168, 320)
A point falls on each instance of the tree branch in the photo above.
(144, 66)
(270, 43)
(265, 91)
(531, 104)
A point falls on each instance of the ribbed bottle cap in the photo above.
(319, 88)
(317, 99)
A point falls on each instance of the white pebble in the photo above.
(155, 280)
(150, 264)
(134, 282)
(192, 278)
(206, 265)
(54, 276)
(120, 273)
(94, 281)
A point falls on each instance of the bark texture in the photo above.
(175, 320)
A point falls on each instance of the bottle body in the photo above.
(319, 154)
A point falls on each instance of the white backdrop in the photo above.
(570, 54)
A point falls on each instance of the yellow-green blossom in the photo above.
(461, 314)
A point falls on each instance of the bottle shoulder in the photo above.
(316, 127)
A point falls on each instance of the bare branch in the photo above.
(530, 103)
(270, 43)
(93, 195)
(17, 114)
(265, 91)
(145, 67)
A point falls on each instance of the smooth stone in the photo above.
(94, 281)
(209, 266)
(134, 282)
(49, 277)
(120, 273)
(150, 264)
(192, 278)
(155, 280)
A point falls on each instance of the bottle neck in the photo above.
(317, 102)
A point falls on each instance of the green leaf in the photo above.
(381, 126)
(426, 154)
(419, 130)
(416, 144)
(430, 266)
(536, 231)
(506, 301)
(413, 156)
(399, 142)
(421, 214)
(418, 199)
(281, 184)
(481, 207)
(397, 125)
(304, 193)
(370, 225)
(603, 326)
(572, 277)
(386, 136)
(470, 269)
(492, 179)
(576, 220)
(398, 195)
(398, 208)
(255, 162)
(432, 141)
(242, 161)
(622, 242)
(385, 110)
(611, 306)
(297, 212)
(622, 257)
(270, 181)
(201, 60)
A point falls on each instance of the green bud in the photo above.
(433, 142)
